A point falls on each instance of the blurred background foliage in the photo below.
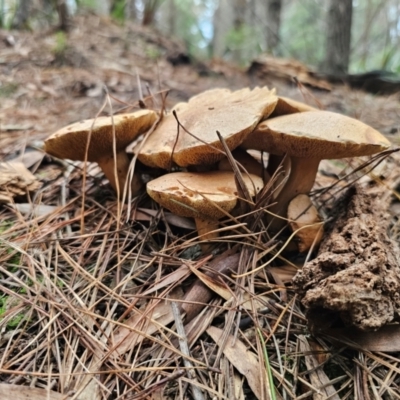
(239, 30)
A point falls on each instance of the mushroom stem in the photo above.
(300, 181)
(305, 221)
(247, 163)
(107, 166)
(274, 162)
(206, 231)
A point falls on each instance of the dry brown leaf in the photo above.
(242, 359)
(180, 222)
(182, 272)
(30, 158)
(238, 386)
(386, 339)
(143, 323)
(17, 392)
(282, 274)
(219, 288)
(146, 214)
(38, 210)
(225, 263)
(319, 380)
(91, 390)
(16, 180)
(252, 302)
(175, 276)
(141, 326)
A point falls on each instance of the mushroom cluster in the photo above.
(187, 139)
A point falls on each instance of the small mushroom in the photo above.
(304, 218)
(307, 138)
(71, 142)
(233, 114)
(205, 196)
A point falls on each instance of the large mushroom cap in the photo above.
(194, 194)
(70, 141)
(316, 134)
(233, 114)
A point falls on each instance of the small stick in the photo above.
(183, 345)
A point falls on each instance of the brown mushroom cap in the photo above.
(286, 106)
(233, 114)
(192, 194)
(70, 141)
(316, 134)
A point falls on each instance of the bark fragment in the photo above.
(356, 276)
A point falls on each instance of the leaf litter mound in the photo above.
(97, 299)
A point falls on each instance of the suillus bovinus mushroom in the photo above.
(204, 196)
(305, 221)
(307, 138)
(71, 141)
(286, 106)
(233, 114)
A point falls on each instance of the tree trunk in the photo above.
(102, 7)
(223, 23)
(63, 15)
(168, 17)
(130, 10)
(273, 25)
(2, 13)
(22, 14)
(238, 26)
(149, 12)
(172, 17)
(338, 37)
(240, 11)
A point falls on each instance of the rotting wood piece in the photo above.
(356, 276)
(286, 69)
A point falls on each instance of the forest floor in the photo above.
(77, 320)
